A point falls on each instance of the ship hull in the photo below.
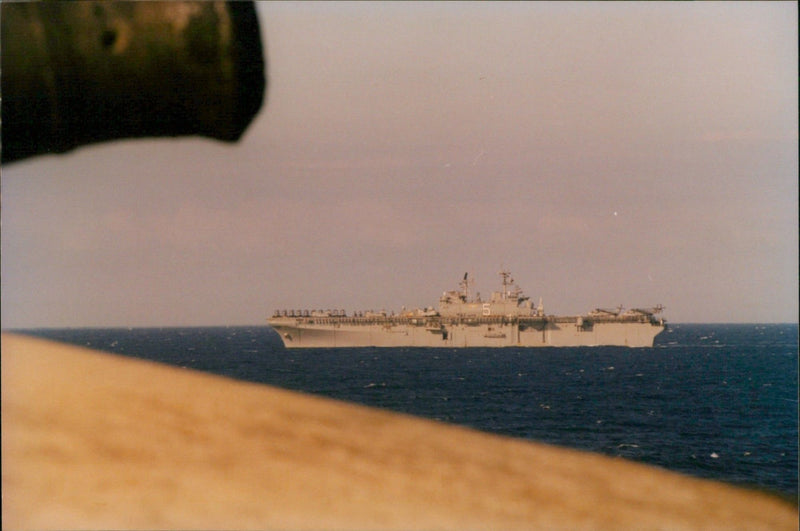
(460, 333)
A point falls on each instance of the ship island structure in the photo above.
(507, 319)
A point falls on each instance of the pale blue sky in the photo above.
(606, 153)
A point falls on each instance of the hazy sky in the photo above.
(607, 154)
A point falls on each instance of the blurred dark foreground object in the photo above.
(75, 73)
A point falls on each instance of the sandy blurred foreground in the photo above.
(93, 441)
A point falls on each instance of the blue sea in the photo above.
(715, 401)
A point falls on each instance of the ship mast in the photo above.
(506, 276)
(465, 287)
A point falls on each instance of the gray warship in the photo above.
(507, 319)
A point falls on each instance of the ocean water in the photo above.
(714, 401)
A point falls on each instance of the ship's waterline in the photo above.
(507, 319)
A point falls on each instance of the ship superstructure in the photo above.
(507, 319)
